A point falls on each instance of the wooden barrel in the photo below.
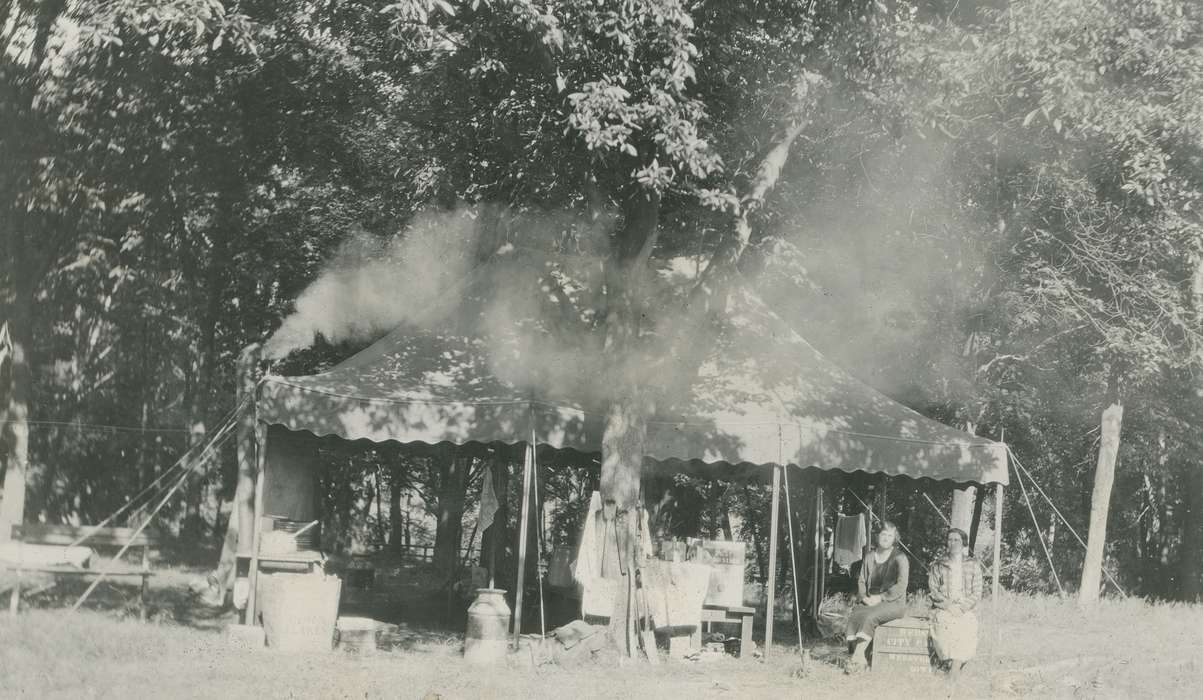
(486, 638)
(902, 645)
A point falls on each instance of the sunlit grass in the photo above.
(1032, 646)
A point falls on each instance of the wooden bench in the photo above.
(902, 645)
(66, 535)
(735, 615)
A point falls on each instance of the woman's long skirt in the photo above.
(954, 634)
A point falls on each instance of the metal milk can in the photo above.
(487, 637)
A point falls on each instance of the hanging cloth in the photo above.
(597, 559)
(488, 501)
(588, 563)
(850, 540)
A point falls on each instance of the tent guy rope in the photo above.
(1060, 515)
(226, 423)
(215, 441)
(1039, 534)
(793, 559)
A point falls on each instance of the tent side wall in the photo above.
(291, 475)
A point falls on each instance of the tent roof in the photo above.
(763, 396)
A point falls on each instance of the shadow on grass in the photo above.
(418, 622)
(174, 604)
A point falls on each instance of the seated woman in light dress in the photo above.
(955, 584)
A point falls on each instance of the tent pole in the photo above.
(793, 559)
(256, 522)
(998, 516)
(494, 539)
(526, 486)
(539, 539)
(774, 520)
(820, 568)
(868, 526)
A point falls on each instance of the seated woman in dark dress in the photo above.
(881, 593)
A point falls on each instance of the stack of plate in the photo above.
(308, 541)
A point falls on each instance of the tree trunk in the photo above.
(975, 521)
(14, 432)
(1100, 502)
(239, 525)
(964, 497)
(962, 508)
(22, 139)
(1192, 536)
(449, 531)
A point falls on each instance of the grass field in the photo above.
(1036, 647)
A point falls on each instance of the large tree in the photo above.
(673, 119)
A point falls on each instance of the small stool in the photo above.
(902, 645)
(733, 615)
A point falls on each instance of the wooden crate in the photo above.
(902, 645)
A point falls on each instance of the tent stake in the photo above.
(774, 519)
(526, 486)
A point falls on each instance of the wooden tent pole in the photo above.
(998, 516)
(494, 539)
(526, 486)
(998, 513)
(256, 521)
(539, 534)
(774, 520)
(820, 567)
(793, 558)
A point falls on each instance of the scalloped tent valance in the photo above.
(763, 396)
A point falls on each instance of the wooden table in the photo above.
(66, 535)
(734, 615)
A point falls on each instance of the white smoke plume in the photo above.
(371, 286)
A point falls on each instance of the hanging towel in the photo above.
(588, 562)
(488, 501)
(559, 571)
(850, 540)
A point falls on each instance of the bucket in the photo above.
(485, 641)
(299, 611)
(358, 635)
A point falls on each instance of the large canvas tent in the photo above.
(763, 399)
(763, 396)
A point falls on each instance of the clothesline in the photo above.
(95, 426)
(878, 519)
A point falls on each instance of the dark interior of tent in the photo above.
(399, 521)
